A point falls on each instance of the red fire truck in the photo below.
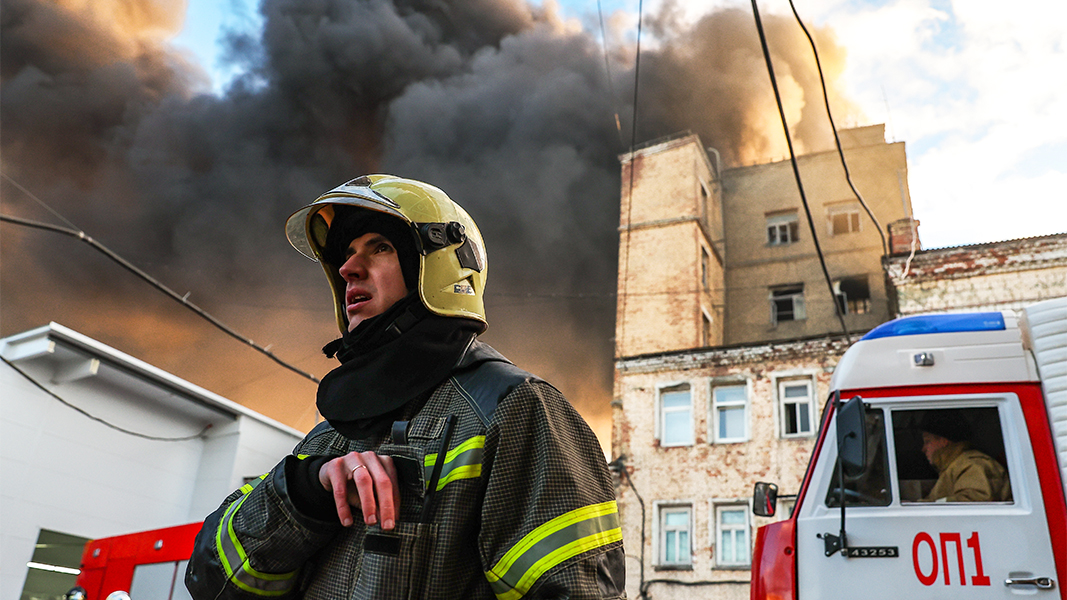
(147, 565)
(866, 523)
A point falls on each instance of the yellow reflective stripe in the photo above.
(251, 485)
(231, 553)
(551, 544)
(462, 462)
(477, 441)
(467, 472)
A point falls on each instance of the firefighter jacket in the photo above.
(968, 475)
(523, 507)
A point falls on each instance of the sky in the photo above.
(973, 89)
(182, 136)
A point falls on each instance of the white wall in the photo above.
(63, 471)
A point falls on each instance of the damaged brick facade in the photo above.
(726, 338)
(712, 391)
(981, 277)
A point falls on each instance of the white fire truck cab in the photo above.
(998, 381)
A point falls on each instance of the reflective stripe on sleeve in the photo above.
(251, 485)
(551, 544)
(462, 462)
(235, 561)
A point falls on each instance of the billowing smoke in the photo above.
(501, 104)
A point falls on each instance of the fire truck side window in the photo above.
(951, 455)
(871, 488)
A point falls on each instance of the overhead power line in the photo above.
(98, 419)
(183, 300)
(837, 138)
(796, 170)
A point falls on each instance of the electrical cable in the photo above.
(98, 419)
(184, 300)
(796, 171)
(837, 139)
(619, 466)
(607, 66)
(630, 190)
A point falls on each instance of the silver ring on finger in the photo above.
(356, 468)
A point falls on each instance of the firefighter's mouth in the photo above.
(355, 301)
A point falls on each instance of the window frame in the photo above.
(661, 389)
(713, 406)
(789, 222)
(780, 381)
(799, 308)
(662, 508)
(855, 223)
(744, 506)
(844, 302)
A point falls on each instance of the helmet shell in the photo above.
(451, 280)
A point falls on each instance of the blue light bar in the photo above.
(953, 323)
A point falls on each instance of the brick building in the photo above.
(994, 276)
(726, 334)
(726, 337)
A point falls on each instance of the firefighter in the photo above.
(441, 470)
(964, 474)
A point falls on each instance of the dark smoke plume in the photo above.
(499, 103)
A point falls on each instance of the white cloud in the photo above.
(976, 91)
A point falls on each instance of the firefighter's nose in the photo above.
(353, 268)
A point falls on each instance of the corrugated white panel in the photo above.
(1047, 324)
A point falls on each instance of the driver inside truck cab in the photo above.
(965, 474)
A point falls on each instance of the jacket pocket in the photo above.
(396, 563)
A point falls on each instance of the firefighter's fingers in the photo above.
(334, 476)
(377, 488)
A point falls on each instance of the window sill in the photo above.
(688, 567)
(747, 567)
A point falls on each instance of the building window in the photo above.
(729, 413)
(787, 304)
(844, 218)
(732, 535)
(705, 262)
(705, 329)
(853, 295)
(676, 415)
(782, 228)
(796, 398)
(675, 524)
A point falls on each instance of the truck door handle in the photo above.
(1044, 583)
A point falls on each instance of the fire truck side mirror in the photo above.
(765, 499)
(852, 436)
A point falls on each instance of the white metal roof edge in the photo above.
(138, 368)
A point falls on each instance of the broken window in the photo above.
(782, 228)
(843, 218)
(787, 304)
(853, 295)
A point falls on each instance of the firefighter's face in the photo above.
(373, 278)
(932, 443)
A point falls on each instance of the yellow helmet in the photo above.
(452, 260)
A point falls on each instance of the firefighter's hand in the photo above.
(363, 480)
